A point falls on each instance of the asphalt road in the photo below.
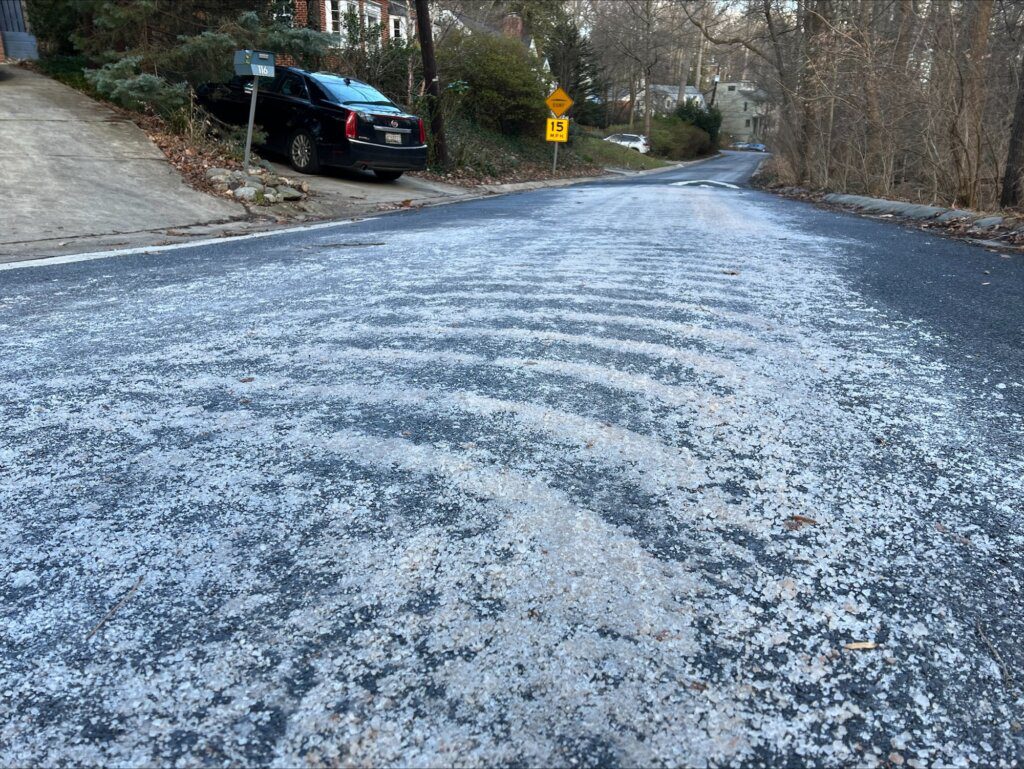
(605, 475)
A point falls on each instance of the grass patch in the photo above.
(671, 138)
(480, 154)
(69, 70)
(598, 152)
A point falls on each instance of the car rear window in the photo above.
(352, 91)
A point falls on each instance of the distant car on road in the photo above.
(320, 119)
(748, 146)
(636, 142)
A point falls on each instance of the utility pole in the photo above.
(433, 86)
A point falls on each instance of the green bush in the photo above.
(676, 140)
(708, 120)
(54, 22)
(504, 87)
(70, 70)
(595, 151)
(123, 84)
(207, 56)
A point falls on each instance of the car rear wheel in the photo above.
(302, 152)
(387, 176)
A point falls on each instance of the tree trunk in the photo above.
(684, 79)
(426, 36)
(810, 165)
(876, 183)
(647, 105)
(632, 101)
(1012, 186)
(971, 114)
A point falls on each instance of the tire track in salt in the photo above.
(726, 372)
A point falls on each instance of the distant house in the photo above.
(509, 24)
(745, 110)
(329, 16)
(665, 98)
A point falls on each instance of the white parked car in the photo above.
(636, 142)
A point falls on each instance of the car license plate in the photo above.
(392, 138)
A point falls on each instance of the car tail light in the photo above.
(423, 132)
(350, 126)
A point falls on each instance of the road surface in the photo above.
(631, 473)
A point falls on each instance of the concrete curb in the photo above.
(989, 230)
(979, 222)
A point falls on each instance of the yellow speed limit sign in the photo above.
(558, 129)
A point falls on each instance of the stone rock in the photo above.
(247, 193)
(954, 215)
(987, 223)
(304, 187)
(289, 193)
(217, 173)
(265, 165)
(915, 211)
(270, 198)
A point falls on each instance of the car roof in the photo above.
(324, 75)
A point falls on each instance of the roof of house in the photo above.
(673, 90)
(665, 90)
(748, 89)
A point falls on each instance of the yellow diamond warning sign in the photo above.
(559, 102)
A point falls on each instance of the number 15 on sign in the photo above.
(558, 130)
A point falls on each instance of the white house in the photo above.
(665, 98)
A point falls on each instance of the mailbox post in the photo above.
(257, 64)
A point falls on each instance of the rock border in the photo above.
(260, 187)
(997, 230)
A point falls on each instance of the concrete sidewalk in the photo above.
(72, 168)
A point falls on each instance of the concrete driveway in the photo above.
(73, 168)
(337, 190)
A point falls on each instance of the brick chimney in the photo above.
(512, 26)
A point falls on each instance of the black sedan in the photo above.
(319, 119)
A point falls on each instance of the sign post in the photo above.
(559, 103)
(257, 64)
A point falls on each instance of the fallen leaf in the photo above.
(730, 272)
(858, 645)
(247, 379)
(697, 686)
(795, 522)
(406, 203)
